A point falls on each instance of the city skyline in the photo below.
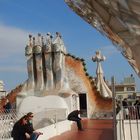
(18, 19)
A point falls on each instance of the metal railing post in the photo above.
(114, 107)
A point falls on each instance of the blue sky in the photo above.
(19, 18)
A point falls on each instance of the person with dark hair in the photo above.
(33, 135)
(7, 107)
(74, 116)
(137, 108)
(19, 129)
(125, 108)
(118, 106)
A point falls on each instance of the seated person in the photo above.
(7, 107)
(19, 129)
(74, 116)
(31, 133)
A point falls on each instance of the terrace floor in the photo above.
(93, 130)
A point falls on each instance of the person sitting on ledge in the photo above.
(7, 107)
(31, 133)
(74, 116)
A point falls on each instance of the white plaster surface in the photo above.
(54, 129)
(37, 104)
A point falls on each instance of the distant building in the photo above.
(126, 89)
(2, 91)
(1, 85)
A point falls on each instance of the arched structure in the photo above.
(119, 20)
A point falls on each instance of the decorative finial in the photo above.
(58, 34)
(39, 34)
(33, 41)
(49, 39)
(98, 57)
(42, 41)
(30, 39)
(39, 39)
(30, 36)
(49, 34)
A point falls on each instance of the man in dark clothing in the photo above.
(74, 116)
(125, 103)
(118, 106)
(125, 108)
(137, 107)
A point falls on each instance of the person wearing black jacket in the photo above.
(137, 107)
(74, 116)
(125, 108)
(19, 129)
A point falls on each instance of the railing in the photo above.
(128, 123)
(41, 119)
(7, 120)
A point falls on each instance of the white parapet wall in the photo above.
(128, 130)
(54, 130)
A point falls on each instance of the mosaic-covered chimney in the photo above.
(46, 62)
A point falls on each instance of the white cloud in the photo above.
(12, 41)
(12, 46)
